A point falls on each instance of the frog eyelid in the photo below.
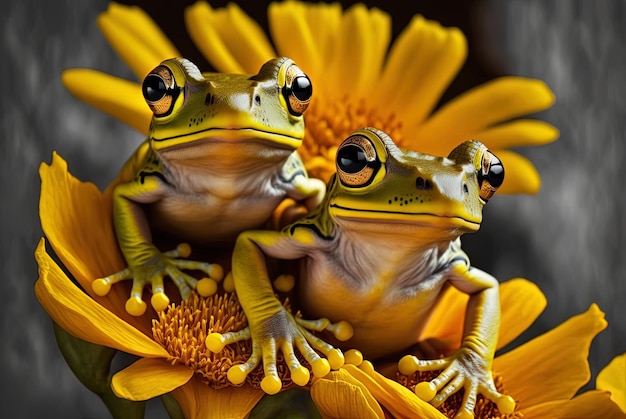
(160, 91)
(357, 162)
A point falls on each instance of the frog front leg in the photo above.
(469, 368)
(270, 326)
(146, 264)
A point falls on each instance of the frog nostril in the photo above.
(420, 183)
(257, 100)
(209, 99)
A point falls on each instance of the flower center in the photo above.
(329, 123)
(484, 409)
(182, 330)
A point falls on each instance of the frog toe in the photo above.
(135, 306)
(102, 286)
(215, 342)
(159, 301)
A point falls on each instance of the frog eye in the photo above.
(490, 175)
(297, 90)
(357, 162)
(160, 90)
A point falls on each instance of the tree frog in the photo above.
(378, 253)
(219, 158)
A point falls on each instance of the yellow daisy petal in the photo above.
(340, 395)
(521, 176)
(555, 363)
(147, 378)
(422, 62)
(521, 302)
(136, 38)
(199, 401)
(244, 49)
(523, 132)
(589, 405)
(490, 103)
(199, 22)
(293, 36)
(397, 399)
(324, 22)
(76, 219)
(358, 60)
(122, 99)
(613, 379)
(81, 316)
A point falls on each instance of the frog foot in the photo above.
(465, 369)
(153, 272)
(282, 331)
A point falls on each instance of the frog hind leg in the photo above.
(153, 273)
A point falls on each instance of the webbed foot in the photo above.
(153, 272)
(284, 332)
(463, 370)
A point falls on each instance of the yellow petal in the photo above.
(521, 176)
(122, 99)
(589, 405)
(554, 365)
(613, 379)
(521, 302)
(199, 401)
(82, 317)
(359, 56)
(147, 378)
(228, 37)
(199, 23)
(340, 395)
(293, 36)
(422, 63)
(136, 38)
(397, 399)
(77, 221)
(496, 101)
(324, 22)
(523, 132)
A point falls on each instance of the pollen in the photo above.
(484, 409)
(329, 123)
(182, 330)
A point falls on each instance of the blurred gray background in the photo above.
(569, 238)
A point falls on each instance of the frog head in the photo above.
(380, 184)
(191, 108)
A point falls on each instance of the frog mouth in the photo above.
(232, 135)
(402, 217)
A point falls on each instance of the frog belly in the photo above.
(382, 325)
(209, 221)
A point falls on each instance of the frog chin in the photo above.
(227, 152)
(408, 221)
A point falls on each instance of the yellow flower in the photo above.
(544, 375)
(613, 379)
(75, 218)
(356, 81)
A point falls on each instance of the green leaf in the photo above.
(91, 364)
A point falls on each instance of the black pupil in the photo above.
(153, 88)
(302, 88)
(351, 159)
(496, 173)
